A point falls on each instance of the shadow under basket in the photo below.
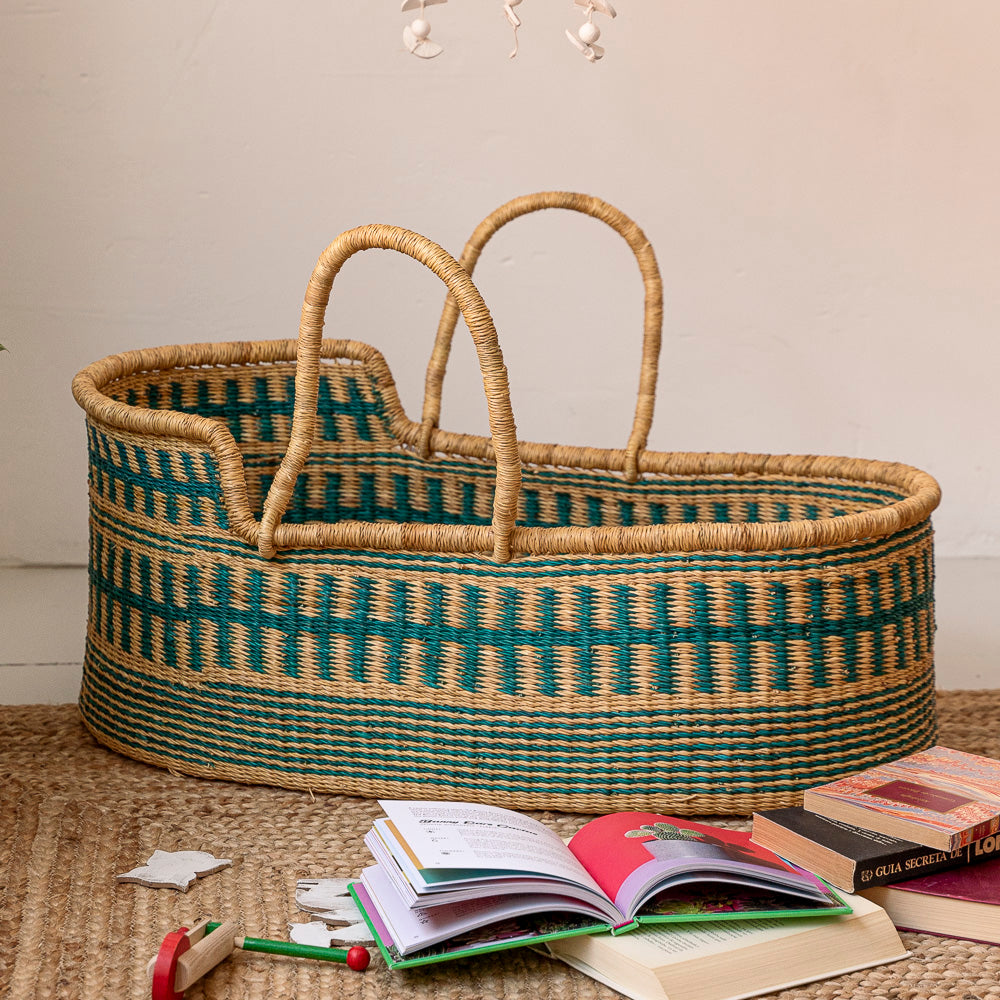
(294, 584)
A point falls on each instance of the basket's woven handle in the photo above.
(480, 323)
(652, 322)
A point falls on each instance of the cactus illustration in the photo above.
(663, 831)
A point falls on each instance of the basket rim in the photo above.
(922, 492)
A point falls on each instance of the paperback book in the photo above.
(960, 903)
(851, 857)
(731, 961)
(941, 798)
(452, 879)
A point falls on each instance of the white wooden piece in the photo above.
(416, 35)
(325, 895)
(319, 934)
(174, 869)
(422, 47)
(513, 20)
(327, 899)
(600, 6)
(590, 52)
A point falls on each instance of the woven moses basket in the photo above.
(294, 584)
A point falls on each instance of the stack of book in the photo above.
(661, 908)
(658, 908)
(919, 836)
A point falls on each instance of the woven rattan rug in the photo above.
(72, 815)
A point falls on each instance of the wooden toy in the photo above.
(329, 900)
(585, 39)
(513, 20)
(416, 35)
(320, 933)
(174, 869)
(188, 954)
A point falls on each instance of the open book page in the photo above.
(634, 856)
(414, 929)
(496, 935)
(734, 960)
(422, 890)
(483, 839)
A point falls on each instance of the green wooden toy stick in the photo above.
(349, 956)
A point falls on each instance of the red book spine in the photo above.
(979, 831)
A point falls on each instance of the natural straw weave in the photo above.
(293, 583)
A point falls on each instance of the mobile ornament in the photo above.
(417, 40)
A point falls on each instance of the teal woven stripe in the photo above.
(850, 646)
(816, 637)
(142, 604)
(361, 605)
(124, 610)
(130, 469)
(401, 611)
(261, 399)
(169, 627)
(469, 617)
(559, 479)
(223, 594)
(510, 615)
(739, 601)
(350, 613)
(169, 722)
(793, 725)
(418, 498)
(726, 776)
(192, 586)
(290, 642)
(430, 672)
(462, 564)
(324, 648)
(623, 681)
(663, 671)
(547, 680)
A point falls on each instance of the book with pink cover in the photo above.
(960, 902)
(457, 878)
(942, 798)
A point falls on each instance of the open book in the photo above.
(733, 960)
(456, 878)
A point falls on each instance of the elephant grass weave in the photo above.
(293, 583)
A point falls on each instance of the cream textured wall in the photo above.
(819, 179)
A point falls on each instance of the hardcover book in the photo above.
(961, 903)
(732, 961)
(453, 879)
(941, 798)
(851, 857)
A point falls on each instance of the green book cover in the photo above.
(510, 933)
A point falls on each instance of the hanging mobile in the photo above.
(588, 32)
(416, 35)
(513, 20)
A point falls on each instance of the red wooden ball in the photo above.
(358, 958)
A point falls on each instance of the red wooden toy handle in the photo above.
(165, 970)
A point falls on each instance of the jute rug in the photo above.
(73, 815)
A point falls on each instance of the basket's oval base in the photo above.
(707, 760)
